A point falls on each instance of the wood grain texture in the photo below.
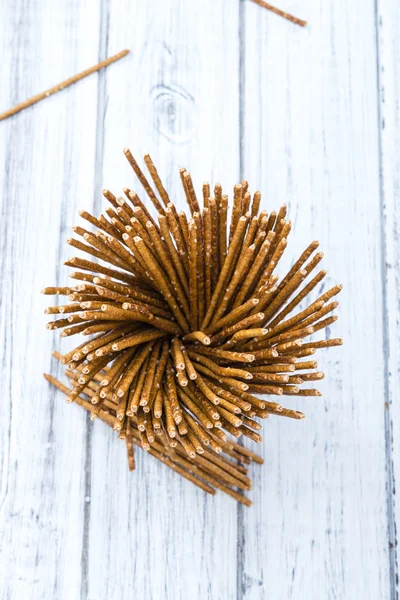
(178, 91)
(387, 30)
(320, 518)
(46, 165)
(228, 90)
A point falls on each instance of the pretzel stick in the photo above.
(281, 13)
(62, 85)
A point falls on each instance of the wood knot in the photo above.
(174, 114)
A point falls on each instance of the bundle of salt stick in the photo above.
(189, 322)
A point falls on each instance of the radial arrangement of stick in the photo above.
(189, 321)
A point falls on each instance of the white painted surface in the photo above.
(311, 117)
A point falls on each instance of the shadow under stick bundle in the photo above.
(189, 321)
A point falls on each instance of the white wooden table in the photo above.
(312, 118)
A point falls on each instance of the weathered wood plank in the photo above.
(388, 21)
(46, 170)
(319, 525)
(316, 126)
(153, 535)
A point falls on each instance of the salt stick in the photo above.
(248, 282)
(246, 197)
(224, 371)
(207, 255)
(190, 370)
(87, 265)
(150, 375)
(236, 210)
(235, 315)
(96, 253)
(135, 391)
(297, 299)
(225, 354)
(223, 212)
(165, 263)
(130, 447)
(138, 223)
(145, 296)
(196, 410)
(198, 336)
(233, 382)
(319, 314)
(206, 193)
(184, 225)
(230, 397)
(63, 291)
(98, 241)
(123, 218)
(229, 261)
(167, 409)
(208, 393)
(251, 233)
(103, 339)
(193, 291)
(243, 324)
(162, 282)
(83, 327)
(89, 371)
(200, 263)
(214, 217)
(323, 344)
(143, 180)
(202, 401)
(294, 321)
(189, 189)
(239, 274)
(133, 265)
(158, 405)
(255, 206)
(108, 227)
(176, 259)
(126, 211)
(263, 221)
(179, 360)
(245, 334)
(173, 359)
(156, 178)
(273, 262)
(176, 233)
(289, 335)
(314, 262)
(117, 369)
(141, 214)
(62, 85)
(296, 354)
(172, 394)
(215, 476)
(222, 468)
(285, 293)
(110, 197)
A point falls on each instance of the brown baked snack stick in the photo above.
(281, 13)
(60, 86)
(186, 318)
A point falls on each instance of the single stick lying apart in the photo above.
(62, 85)
(186, 321)
(281, 13)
